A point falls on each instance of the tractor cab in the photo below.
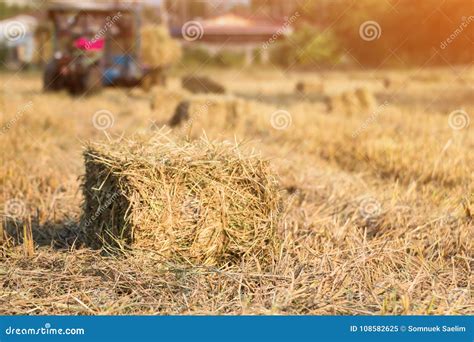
(95, 45)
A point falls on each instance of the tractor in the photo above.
(94, 45)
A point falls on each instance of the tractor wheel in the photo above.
(51, 79)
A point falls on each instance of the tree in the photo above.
(307, 47)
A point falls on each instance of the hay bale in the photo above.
(154, 77)
(366, 99)
(44, 44)
(164, 101)
(350, 102)
(333, 103)
(310, 87)
(395, 83)
(201, 84)
(202, 203)
(158, 51)
(137, 93)
(206, 111)
(181, 114)
(157, 47)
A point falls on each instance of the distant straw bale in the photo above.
(203, 203)
(207, 110)
(310, 87)
(181, 114)
(164, 100)
(395, 82)
(137, 93)
(157, 47)
(367, 100)
(158, 51)
(351, 101)
(333, 103)
(202, 84)
(43, 53)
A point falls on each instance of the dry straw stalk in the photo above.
(200, 203)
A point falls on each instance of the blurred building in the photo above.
(17, 37)
(234, 33)
(184, 10)
(181, 11)
(237, 26)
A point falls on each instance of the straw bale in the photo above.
(333, 102)
(157, 47)
(351, 101)
(200, 202)
(164, 100)
(366, 98)
(209, 110)
(202, 84)
(310, 87)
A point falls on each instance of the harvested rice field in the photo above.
(348, 193)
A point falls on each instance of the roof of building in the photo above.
(232, 24)
(232, 27)
(90, 6)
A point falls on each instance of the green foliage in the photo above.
(196, 55)
(307, 47)
(7, 10)
(229, 59)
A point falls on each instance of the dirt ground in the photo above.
(379, 201)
